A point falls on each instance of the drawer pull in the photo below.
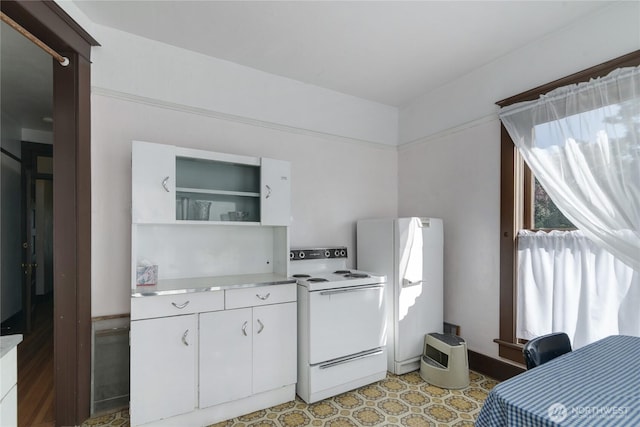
(244, 329)
(263, 297)
(184, 338)
(348, 359)
(261, 326)
(164, 184)
(354, 289)
(180, 306)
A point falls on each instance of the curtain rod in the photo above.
(64, 61)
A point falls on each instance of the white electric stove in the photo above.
(341, 324)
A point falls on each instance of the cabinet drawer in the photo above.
(173, 305)
(261, 295)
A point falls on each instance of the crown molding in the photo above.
(153, 102)
(450, 131)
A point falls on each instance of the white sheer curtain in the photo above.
(582, 142)
(564, 283)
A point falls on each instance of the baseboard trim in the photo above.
(494, 368)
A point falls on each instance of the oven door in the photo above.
(346, 321)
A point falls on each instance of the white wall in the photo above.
(449, 165)
(334, 182)
(140, 67)
(457, 177)
(134, 65)
(342, 148)
(607, 34)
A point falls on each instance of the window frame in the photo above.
(516, 194)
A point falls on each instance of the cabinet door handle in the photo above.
(264, 297)
(184, 338)
(165, 184)
(244, 329)
(180, 306)
(268, 191)
(406, 283)
(261, 326)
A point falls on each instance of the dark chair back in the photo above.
(544, 348)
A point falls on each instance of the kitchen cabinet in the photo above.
(172, 184)
(174, 305)
(274, 346)
(163, 367)
(225, 341)
(276, 192)
(153, 177)
(213, 336)
(212, 355)
(9, 380)
(256, 346)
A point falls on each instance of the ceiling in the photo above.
(384, 51)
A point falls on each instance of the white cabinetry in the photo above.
(153, 175)
(274, 346)
(225, 341)
(256, 345)
(179, 184)
(275, 176)
(231, 352)
(215, 336)
(8, 380)
(163, 367)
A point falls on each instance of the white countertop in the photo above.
(205, 284)
(8, 342)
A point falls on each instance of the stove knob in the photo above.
(301, 255)
(291, 255)
(337, 253)
(343, 252)
(327, 253)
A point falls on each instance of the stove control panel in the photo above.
(318, 253)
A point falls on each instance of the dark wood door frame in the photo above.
(72, 202)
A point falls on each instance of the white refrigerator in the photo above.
(409, 251)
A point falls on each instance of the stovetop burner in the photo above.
(320, 269)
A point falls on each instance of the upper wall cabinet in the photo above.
(275, 206)
(153, 177)
(178, 184)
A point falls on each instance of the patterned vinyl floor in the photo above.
(398, 400)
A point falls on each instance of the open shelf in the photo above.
(219, 192)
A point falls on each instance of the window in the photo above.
(546, 215)
(525, 205)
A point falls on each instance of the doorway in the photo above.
(36, 394)
(37, 230)
(34, 320)
(26, 279)
(71, 191)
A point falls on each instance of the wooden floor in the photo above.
(35, 371)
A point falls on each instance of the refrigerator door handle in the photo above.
(406, 283)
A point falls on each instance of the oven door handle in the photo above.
(356, 289)
(349, 359)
